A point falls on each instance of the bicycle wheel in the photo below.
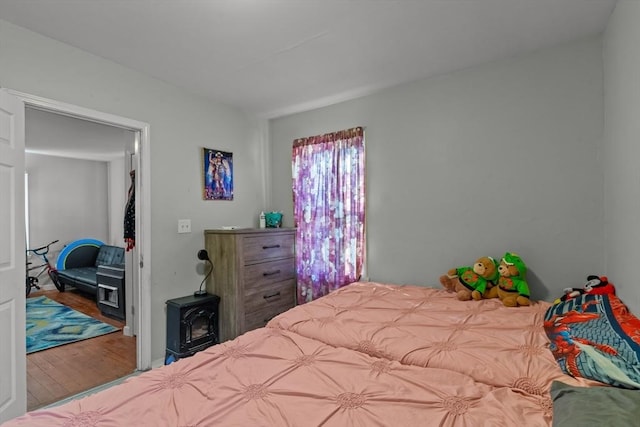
(32, 282)
(53, 274)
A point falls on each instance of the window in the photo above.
(329, 211)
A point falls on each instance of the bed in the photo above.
(369, 354)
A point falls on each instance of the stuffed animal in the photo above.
(471, 282)
(594, 286)
(512, 289)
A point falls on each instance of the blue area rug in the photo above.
(50, 324)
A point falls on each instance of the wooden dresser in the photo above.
(254, 275)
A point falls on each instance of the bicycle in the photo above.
(33, 280)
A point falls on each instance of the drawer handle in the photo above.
(277, 294)
(271, 247)
(271, 273)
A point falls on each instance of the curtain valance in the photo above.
(329, 137)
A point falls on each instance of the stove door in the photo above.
(199, 328)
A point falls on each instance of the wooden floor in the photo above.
(64, 371)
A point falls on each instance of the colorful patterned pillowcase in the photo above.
(595, 337)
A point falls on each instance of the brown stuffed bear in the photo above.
(471, 282)
(512, 289)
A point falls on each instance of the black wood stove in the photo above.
(192, 325)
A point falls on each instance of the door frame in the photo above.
(142, 265)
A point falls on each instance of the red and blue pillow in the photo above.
(596, 337)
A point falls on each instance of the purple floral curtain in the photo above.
(329, 214)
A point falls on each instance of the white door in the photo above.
(13, 358)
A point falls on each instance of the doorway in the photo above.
(77, 190)
(141, 271)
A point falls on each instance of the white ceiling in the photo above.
(276, 57)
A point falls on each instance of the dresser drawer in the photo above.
(265, 247)
(260, 318)
(264, 273)
(279, 295)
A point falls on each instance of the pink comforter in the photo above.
(271, 377)
(491, 343)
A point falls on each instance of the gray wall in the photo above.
(622, 150)
(500, 157)
(117, 197)
(67, 201)
(54, 134)
(181, 124)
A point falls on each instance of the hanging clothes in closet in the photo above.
(130, 215)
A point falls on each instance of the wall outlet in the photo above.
(184, 226)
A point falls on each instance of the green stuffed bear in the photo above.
(512, 289)
(472, 282)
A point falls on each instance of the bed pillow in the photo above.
(594, 406)
(596, 337)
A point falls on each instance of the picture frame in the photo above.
(217, 167)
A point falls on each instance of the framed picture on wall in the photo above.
(218, 174)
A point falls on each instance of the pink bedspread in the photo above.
(271, 377)
(491, 343)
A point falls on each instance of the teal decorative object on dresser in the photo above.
(273, 219)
